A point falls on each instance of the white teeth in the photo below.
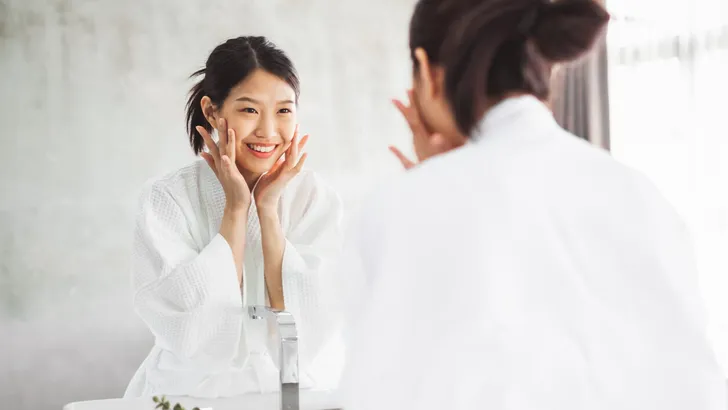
(261, 148)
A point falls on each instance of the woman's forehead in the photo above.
(265, 87)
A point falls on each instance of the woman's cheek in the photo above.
(243, 127)
(287, 122)
(287, 132)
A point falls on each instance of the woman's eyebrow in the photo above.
(254, 101)
(248, 99)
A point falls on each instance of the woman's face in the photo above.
(262, 112)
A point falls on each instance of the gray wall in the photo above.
(92, 106)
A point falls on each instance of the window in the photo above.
(668, 68)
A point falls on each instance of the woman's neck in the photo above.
(492, 102)
(251, 178)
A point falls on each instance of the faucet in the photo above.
(287, 351)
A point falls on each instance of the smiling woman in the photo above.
(246, 226)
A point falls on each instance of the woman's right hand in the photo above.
(221, 158)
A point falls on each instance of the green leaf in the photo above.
(156, 399)
(178, 407)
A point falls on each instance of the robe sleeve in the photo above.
(188, 297)
(313, 244)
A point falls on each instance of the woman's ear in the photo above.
(208, 109)
(430, 77)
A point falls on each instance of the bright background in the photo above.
(668, 89)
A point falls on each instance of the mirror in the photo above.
(95, 118)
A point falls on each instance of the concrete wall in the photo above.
(92, 105)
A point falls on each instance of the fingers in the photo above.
(210, 161)
(293, 158)
(291, 161)
(410, 113)
(228, 166)
(292, 142)
(303, 142)
(299, 166)
(209, 142)
(231, 145)
(222, 134)
(439, 143)
(277, 166)
(406, 163)
(400, 107)
(407, 114)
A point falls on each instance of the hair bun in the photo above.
(564, 30)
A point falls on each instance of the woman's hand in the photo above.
(221, 159)
(426, 144)
(270, 186)
(406, 162)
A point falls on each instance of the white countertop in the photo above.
(309, 400)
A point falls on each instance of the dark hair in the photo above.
(489, 48)
(229, 64)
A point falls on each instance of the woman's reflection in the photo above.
(246, 226)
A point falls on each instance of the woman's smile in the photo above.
(262, 150)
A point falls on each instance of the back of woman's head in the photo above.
(228, 65)
(490, 48)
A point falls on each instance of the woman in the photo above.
(523, 269)
(246, 226)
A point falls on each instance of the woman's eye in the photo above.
(284, 111)
(249, 110)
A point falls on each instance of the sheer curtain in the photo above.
(580, 98)
(668, 84)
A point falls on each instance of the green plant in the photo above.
(163, 404)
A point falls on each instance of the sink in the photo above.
(287, 354)
(309, 400)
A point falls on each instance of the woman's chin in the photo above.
(255, 165)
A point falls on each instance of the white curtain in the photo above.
(668, 84)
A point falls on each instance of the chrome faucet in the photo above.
(286, 351)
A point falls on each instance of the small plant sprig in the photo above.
(163, 404)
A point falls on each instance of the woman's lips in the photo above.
(262, 150)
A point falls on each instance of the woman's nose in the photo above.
(266, 128)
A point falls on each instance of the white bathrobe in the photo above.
(186, 289)
(527, 270)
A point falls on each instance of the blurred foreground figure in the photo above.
(517, 267)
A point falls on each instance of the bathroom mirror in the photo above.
(96, 110)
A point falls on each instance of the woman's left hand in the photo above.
(426, 144)
(270, 186)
